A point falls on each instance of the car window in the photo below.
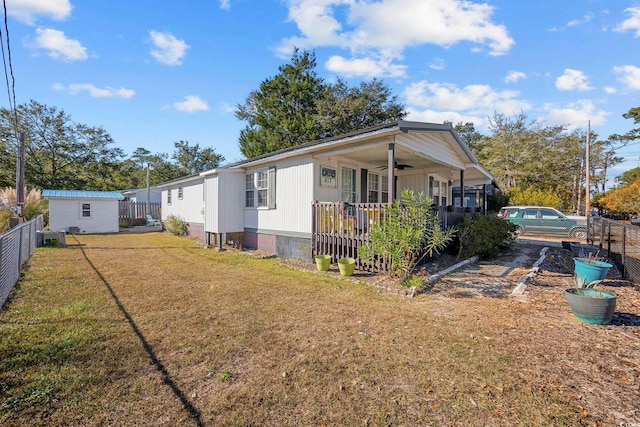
(513, 214)
(549, 214)
(529, 214)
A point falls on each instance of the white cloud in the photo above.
(573, 80)
(167, 49)
(95, 92)
(58, 46)
(514, 76)
(437, 64)
(575, 114)
(191, 104)
(225, 4)
(432, 116)
(629, 75)
(610, 90)
(632, 23)
(28, 10)
(364, 67)
(384, 29)
(479, 100)
(226, 108)
(585, 19)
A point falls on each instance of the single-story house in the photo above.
(140, 194)
(184, 198)
(83, 211)
(330, 190)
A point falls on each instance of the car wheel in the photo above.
(519, 231)
(579, 233)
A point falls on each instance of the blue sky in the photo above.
(155, 72)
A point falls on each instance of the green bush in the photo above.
(176, 225)
(409, 232)
(483, 235)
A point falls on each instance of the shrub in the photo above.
(34, 205)
(409, 231)
(176, 225)
(483, 235)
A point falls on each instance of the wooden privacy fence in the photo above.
(621, 241)
(135, 213)
(16, 247)
(339, 229)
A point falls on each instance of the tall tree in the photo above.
(344, 109)
(469, 135)
(281, 113)
(193, 159)
(61, 153)
(628, 177)
(297, 106)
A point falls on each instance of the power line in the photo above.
(11, 89)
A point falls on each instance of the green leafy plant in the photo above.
(409, 232)
(226, 376)
(483, 235)
(176, 225)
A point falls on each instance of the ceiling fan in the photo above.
(399, 166)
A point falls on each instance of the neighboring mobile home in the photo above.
(83, 211)
(284, 202)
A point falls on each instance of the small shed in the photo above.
(83, 211)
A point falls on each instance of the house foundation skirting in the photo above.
(285, 246)
(195, 230)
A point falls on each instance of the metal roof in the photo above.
(81, 194)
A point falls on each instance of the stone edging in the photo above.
(522, 282)
(435, 277)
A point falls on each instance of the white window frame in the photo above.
(384, 188)
(85, 207)
(373, 187)
(169, 196)
(180, 193)
(260, 186)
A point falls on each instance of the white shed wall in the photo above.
(191, 207)
(65, 213)
(294, 195)
(224, 201)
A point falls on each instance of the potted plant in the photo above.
(347, 266)
(323, 262)
(588, 304)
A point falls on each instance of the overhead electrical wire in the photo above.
(11, 88)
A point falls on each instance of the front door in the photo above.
(348, 176)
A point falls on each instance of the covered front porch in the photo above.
(357, 180)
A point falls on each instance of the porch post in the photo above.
(462, 199)
(391, 176)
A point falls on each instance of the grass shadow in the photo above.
(166, 377)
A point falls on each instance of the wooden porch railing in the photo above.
(339, 229)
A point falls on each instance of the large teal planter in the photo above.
(591, 306)
(589, 271)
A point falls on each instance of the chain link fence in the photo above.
(621, 240)
(16, 247)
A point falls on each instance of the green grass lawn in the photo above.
(151, 329)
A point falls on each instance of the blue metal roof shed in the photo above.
(82, 211)
(82, 194)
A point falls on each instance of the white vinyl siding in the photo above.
(290, 203)
(224, 201)
(90, 216)
(191, 206)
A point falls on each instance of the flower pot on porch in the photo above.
(323, 262)
(589, 272)
(347, 266)
(591, 306)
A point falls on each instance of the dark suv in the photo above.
(545, 221)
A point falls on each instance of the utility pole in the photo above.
(587, 196)
(19, 182)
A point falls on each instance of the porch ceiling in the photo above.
(376, 156)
